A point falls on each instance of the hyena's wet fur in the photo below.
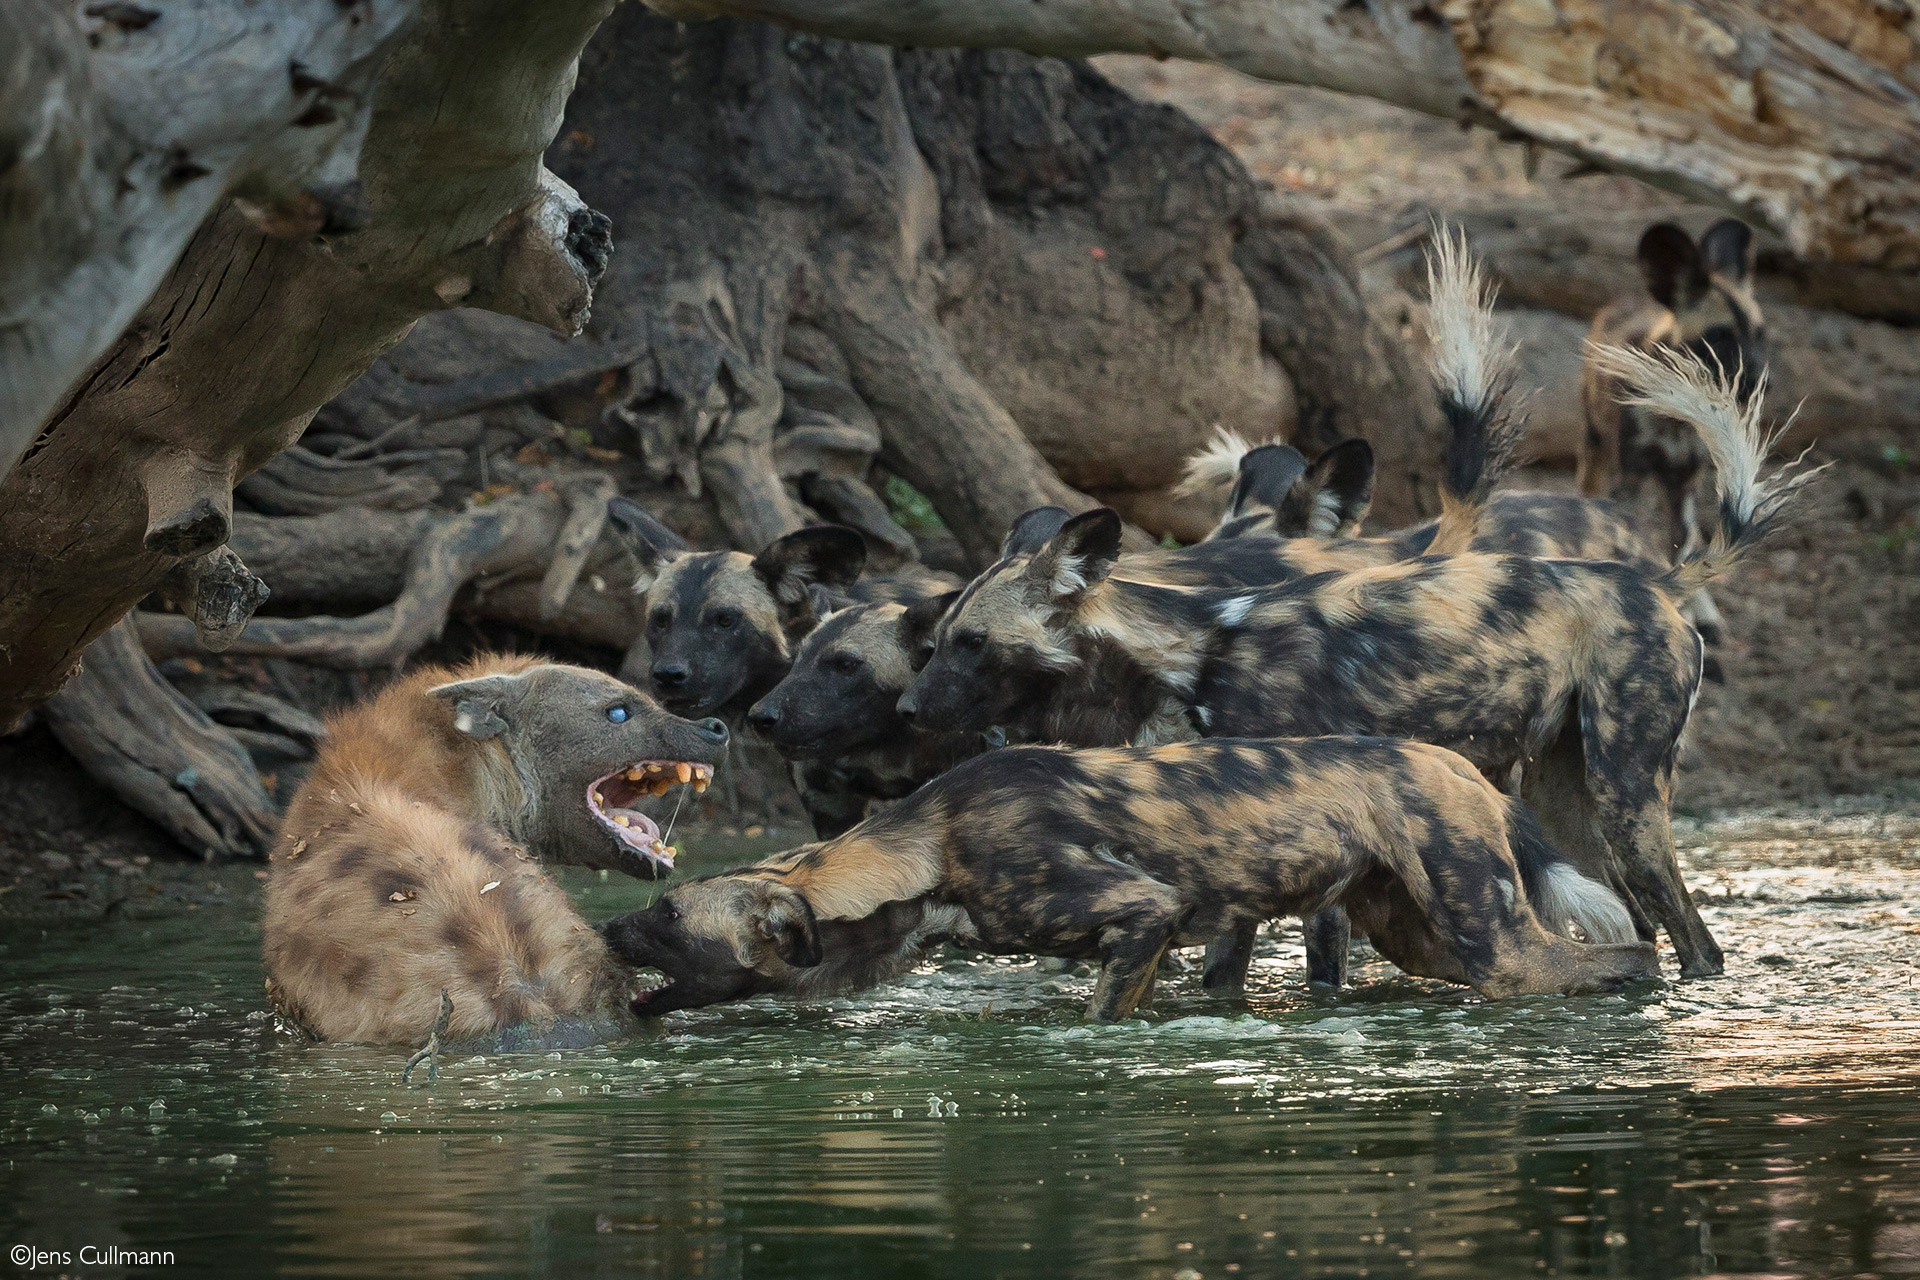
(1581, 672)
(722, 628)
(409, 862)
(1116, 855)
(1699, 299)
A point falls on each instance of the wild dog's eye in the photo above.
(660, 619)
(673, 912)
(724, 618)
(970, 640)
(617, 714)
(847, 663)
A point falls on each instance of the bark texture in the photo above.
(122, 126)
(250, 333)
(1802, 114)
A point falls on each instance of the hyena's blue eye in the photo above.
(617, 714)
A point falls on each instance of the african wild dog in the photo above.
(1581, 672)
(409, 860)
(1700, 300)
(722, 626)
(1117, 854)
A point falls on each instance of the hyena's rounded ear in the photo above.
(1080, 555)
(652, 543)
(1728, 249)
(1671, 266)
(1031, 529)
(1333, 498)
(1265, 476)
(484, 705)
(918, 624)
(786, 920)
(829, 554)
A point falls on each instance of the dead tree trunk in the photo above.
(1801, 116)
(107, 167)
(250, 334)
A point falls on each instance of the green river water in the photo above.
(964, 1122)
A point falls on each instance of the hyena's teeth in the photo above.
(663, 786)
(598, 798)
(683, 771)
(703, 771)
(622, 820)
(699, 785)
(654, 767)
(633, 774)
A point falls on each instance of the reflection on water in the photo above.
(965, 1123)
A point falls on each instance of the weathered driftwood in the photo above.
(145, 742)
(1801, 115)
(122, 126)
(249, 334)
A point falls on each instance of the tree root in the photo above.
(144, 741)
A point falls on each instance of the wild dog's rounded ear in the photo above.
(823, 601)
(1265, 476)
(1080, 555)
(785, 918)
(1671, 266)
(652, 543)
(1727, 248)
(483, 705)
(1031, 529)
(918, 624)
(832, 555)
(1334, 496)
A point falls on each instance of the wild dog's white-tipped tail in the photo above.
(1216, 465)
(1677, 384)
(1563, 897)
(1472, 369)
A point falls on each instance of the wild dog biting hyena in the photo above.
(1115, 855)
(1700, 299)
(1581, 673)
(722, 627)
(410, 860)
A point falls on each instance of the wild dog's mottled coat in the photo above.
(1117, 854)
(1584, 672)
(405, 863)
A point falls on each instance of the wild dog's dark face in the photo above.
(585, 750)
(721, 625)
(1707, 286)
(723, 938)
(1005, 641)
(843, 691)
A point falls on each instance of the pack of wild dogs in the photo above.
(1457, 740)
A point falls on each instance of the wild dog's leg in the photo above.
(1131, 948)
(1554, 785)
(1632, 796)
(1228, 956)
(1329, 937)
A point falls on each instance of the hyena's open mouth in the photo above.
(612, 799)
